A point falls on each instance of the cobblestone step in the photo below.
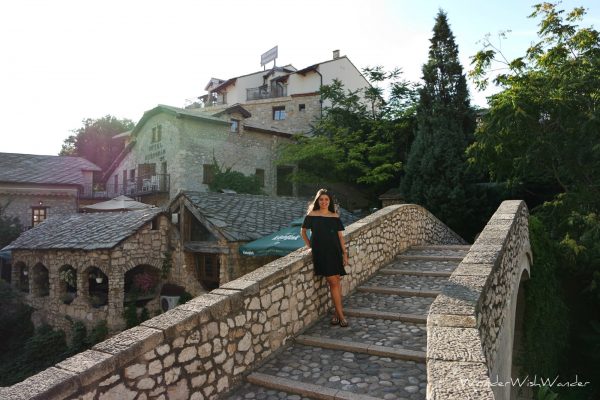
(399, 292)
(263, 392)
(394, 334)
(392, 316)
(358, 373)
(393, 271)
(358, 347)
(442, 247)
(418, 257)
(422, 265)
(413, 282)
(305, 389)
(438, 251)
(391, 303)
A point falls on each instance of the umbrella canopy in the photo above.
(121, 203)
(279, 243)
(5, 255)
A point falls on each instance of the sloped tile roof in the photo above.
(84, 231)
(244, 217)
(32, 168)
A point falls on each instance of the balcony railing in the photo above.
(139, 186)
(264, 92)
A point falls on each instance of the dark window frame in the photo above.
(279, 113)
(36, 212)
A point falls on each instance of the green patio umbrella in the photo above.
(279, 243)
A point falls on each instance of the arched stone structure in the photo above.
(20, 279)
(94, 286)
(40, 281)
(471, 325)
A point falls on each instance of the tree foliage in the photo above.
(436, 174)
(542, 130)
(10, 227)
(362, 137)
(94, 140)
(225, 178)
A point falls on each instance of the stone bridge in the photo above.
(430, 318)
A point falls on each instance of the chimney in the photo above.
(336, 54)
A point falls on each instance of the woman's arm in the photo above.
(305, 237)
(343, 244)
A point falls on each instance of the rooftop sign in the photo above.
(269, 56)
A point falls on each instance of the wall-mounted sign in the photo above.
(269, 56)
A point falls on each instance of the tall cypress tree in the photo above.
(436, 167)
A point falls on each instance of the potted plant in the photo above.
(145, 282)
(97, 276)
(68, 276)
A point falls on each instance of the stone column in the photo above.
(116, 295)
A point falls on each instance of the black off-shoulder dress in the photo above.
(325, 243)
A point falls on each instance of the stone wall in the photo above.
(205, 346)
(470, 325)
(296, 121)
(147, 246)
(58, 202)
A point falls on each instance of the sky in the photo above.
(63, 61)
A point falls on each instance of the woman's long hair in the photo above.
(314, 205)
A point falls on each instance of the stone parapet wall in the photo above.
(470, 325)
(204, 347)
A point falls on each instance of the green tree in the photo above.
(436, 174)
(225, 178)
(94, 140)
(10, 227)
(543, 130)
(362, 137)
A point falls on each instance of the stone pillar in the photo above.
(116, 295)
(82, 283)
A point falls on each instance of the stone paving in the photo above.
(338, 362)
(408, 282)
(425, 266)
(380, 332)
(386, 302)
(444, 251)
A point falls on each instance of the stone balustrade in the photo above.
(471, 325)
(205, 347)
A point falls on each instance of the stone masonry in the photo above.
(471, 323)
(204, 347)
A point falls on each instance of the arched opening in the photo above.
(40, 280)
(141, 284)
(22, 277)
(208, 270)
(97, 287)
(171, 296)
(67, 287)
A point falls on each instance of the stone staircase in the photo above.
(381, 355)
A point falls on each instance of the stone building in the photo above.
(212, 226)
(282, 98)
(35, 187)
(85, 265)
(172, 149)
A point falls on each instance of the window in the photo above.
(208, 270)
(116, 182)
(38, 215)
(301, 107)
(279, 113)
(132, 174)
(235, 125)
(284, 181)
(156, 133)
(260, 173)
(208, 174)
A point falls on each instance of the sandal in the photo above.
(344, 323)
(334, 320)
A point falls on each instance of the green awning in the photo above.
(279, 243)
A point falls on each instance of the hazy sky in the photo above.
(63, 61)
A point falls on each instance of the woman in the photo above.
(328, 247)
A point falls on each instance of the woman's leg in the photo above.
(335, 289)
